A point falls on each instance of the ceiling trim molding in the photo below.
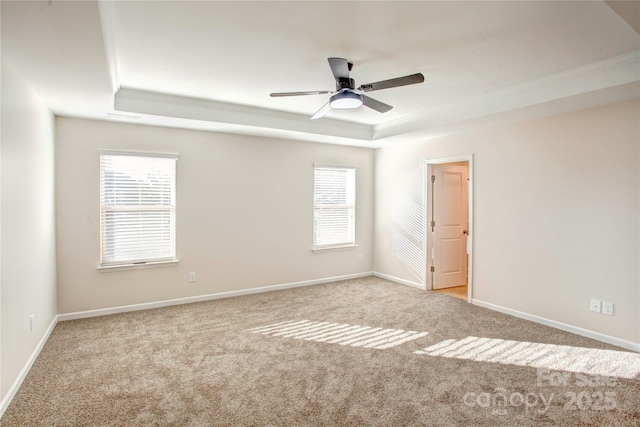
(610, 72)
(158, 104)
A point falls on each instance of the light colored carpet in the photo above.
(359, 352)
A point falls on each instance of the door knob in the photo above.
(465, 231)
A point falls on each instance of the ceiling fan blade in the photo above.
(399, 81)
(339, 67)
(322, 111)
(315, 92)
(375, 104)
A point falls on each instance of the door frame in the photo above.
(428, 167)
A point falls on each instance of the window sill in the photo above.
(331, 248)
(121, 267)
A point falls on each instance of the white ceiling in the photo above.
(211, 65)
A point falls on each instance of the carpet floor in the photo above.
(353, 353)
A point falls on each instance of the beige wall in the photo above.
(28, 266)
(244, 214)
(556, 217)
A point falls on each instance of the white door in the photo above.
(450, 225)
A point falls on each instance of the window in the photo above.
(334, 210)
(137, 208)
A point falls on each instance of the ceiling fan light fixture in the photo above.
(346, 100)
(347, 96)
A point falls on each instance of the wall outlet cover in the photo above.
(607, 308)
(595, 305)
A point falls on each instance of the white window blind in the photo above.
(334, 216)
(137, 208)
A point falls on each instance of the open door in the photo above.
(449, 224)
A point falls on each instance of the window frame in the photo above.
(138, 262)
(349, 243)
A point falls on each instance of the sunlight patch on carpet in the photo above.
(339, 333)
(584, 360)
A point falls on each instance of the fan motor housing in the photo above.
(345, 83)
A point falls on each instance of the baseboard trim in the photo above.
(629, 345)
(208, 297)
(399, 280)
(6, 401)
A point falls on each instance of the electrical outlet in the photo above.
(595, 305)
(607, 308)
(192, 276)
(360, 258)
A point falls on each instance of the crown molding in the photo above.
(158, 104)
(622, 71)
(610, 72)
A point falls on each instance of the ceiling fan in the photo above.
(347, 96)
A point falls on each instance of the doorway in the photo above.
(449, 196)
